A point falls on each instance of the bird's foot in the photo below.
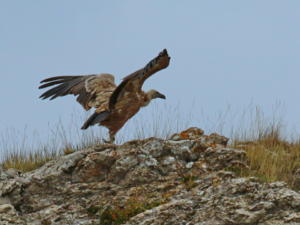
(111, 139)
(107, 141)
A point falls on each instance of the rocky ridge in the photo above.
(187, 179)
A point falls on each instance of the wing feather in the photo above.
(59, 78)
(158, 63)
(92, 90)
(135, 81)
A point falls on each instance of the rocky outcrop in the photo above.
(187, 179)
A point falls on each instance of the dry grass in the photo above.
(27, 162)
(271, 157)
(19, 152)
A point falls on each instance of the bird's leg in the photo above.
(111, 138)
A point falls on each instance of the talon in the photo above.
(111, 138)
(107, 141)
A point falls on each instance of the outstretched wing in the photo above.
(134, 82)
(92, 90)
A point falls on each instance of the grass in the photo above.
(272, 158)
(271, 155)
(28, 162)
(121, 214)
(19, 151)
(119, 211)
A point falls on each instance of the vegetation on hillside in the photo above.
(271, 155)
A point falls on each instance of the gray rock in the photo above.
(182, 180)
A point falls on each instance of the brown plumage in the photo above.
(114, 104)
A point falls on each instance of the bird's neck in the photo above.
(145, 100)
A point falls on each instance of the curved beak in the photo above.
(159, 95)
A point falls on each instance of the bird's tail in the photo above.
(95, 118)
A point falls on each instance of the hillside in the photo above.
(191, 178)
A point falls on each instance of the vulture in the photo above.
(114, 105)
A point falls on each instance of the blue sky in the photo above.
(223, 53)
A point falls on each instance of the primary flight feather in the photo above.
(114, 104)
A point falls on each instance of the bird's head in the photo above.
(152, 94)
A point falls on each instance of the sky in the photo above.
(223, 53)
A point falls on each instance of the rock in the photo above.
(9, 173)
(182, 180)
(9, 215)
(189, 134)
(7, 209)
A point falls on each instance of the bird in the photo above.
(114, 105)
